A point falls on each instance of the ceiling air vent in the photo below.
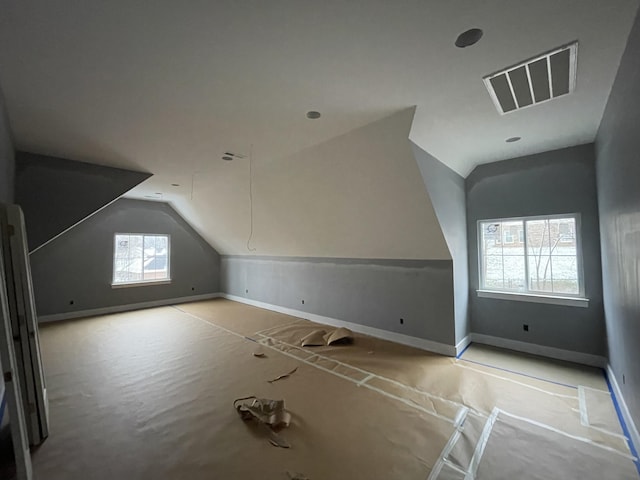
(537, 80)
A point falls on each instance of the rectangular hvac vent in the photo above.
(534, 81)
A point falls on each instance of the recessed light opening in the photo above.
(312, 115)
(227, 158)
(513, 139)
(468, 38)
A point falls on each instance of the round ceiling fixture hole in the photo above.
(513, 139)
(175, 184)
(468, 38)
(227, 158)
(312, 115)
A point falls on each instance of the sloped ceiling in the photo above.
(358, 195)
(55, 194)
(167, 88)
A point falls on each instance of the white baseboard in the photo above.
(423, 344)
(462, 344)
(543, 351)
(125, 308)
(632, 430)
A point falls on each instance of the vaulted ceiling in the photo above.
(167, 87)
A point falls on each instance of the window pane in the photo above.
(140, 258)
(128, 258)
(493, 272)
(540, 273)
(514, 273)
(502, 256)
(565, 274)
(538, 252)
(156, 257)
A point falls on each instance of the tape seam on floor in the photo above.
(461, 416)
(582, 404)
(406, 401)
(481, 445)
(518, 373)
(568, 435)
(368, 373)
(516, 382)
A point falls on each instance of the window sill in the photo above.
(529, 297)
(140, 284)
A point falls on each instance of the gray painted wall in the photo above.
(7, 158)
(560, 181)
(375, 293)
(447, 192)
(78, 265)
(55, 193)
(618, 174)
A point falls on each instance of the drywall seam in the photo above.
(125, 308)
(436, 347)
(632, 429)
(544, 351)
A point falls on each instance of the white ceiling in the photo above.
(167, 87)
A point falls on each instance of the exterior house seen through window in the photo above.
(140, 258)
(531, 255)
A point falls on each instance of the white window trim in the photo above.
(141, 284)
(534, 298)
(578, 300)
(163, 281)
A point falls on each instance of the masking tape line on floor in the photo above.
(409, 402)
(518, 373)
(516, 382)
(481, 445)
(373, 375)
(455, 436)
(568, 435)
(320, 367)
(356, 382)
(582, 403)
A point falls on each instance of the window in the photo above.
(545, 261)
(140, 258)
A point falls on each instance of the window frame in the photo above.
(579, 299)
(138, 283)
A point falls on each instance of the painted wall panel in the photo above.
(618, 174)
(375, 293)
(560, 181)
(56, 193)
(78, 266)
(446, 190)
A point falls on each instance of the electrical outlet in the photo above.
(525, 327)
(303, 302)
(402, 321)
(71, 302)
(246, 291)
